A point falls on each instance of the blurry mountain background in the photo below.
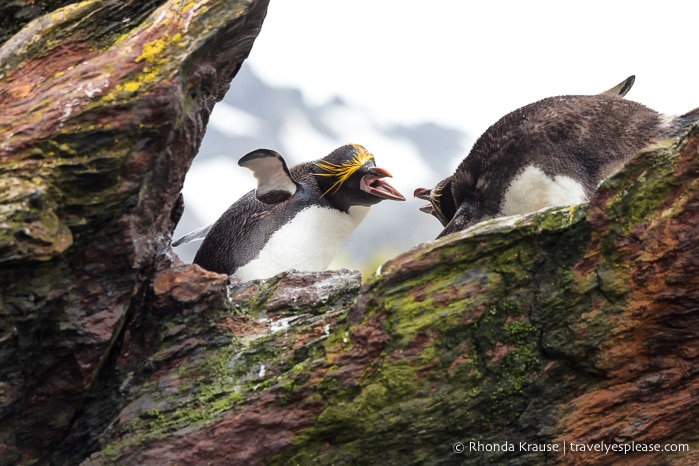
(256, 115)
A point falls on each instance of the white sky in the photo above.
(466, 64)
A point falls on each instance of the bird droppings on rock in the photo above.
(303, 291)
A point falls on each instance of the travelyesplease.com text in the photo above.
(569, 447)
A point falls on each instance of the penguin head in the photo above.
(452, 214)
(349, 177)
(441, 201)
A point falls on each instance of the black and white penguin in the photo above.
(552, 152)
(297, 218)
(441, 202)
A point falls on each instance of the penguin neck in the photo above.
(307, 243)
(357, 213)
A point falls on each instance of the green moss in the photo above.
(559, 218)
(400, 380)
(291, 381)
(516, 368)
(521, 333)
(206, 386)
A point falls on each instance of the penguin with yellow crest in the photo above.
(297, 218)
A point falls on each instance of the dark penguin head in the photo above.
(552, 152)
(349, 177)
(298, 217)
(441, 202)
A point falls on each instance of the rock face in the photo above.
(103, 107)
(557, 337)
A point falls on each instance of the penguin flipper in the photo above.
(622, 88)
(274, 182)
(463, 218)
(196, 235)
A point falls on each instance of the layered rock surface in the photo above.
(570, 326)
(103, 107)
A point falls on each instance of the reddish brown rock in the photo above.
(573, 328)
(103, 107)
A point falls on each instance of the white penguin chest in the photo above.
(306, 243)
(533, 190)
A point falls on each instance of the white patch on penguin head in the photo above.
(533, 190)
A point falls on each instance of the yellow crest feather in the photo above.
(343, 170)
(436, 194)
